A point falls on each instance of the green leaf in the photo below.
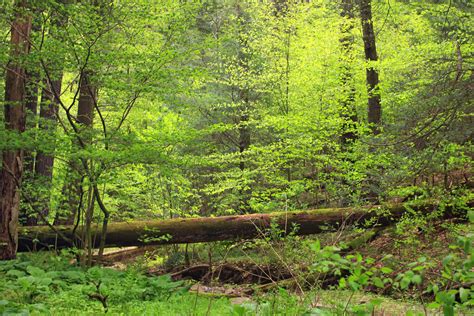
(316, 246)
(386, 270)
(342, 283)
(43, 281)
(74, 276)
(35, 271)
(463, 294)
(16, 273)
(470, 215)
(378, 282)
(405, 282)
(447, 259)
(416, 279)
(448, 310)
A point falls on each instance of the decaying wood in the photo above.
(206, 229)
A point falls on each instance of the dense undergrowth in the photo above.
(60, 288)
(388, 275)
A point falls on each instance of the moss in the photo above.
(188, 230)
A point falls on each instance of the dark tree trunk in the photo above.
(12, 162)
(372, 75)
(244, 134)
(87, 95)
(349, 113)
(85, 112)
(45, 160)
(29, 156)
(31, 102)
(32, 94)
(32, 79)
(244, 115)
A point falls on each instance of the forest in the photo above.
(236, 157)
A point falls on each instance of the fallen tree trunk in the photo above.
(205, 229)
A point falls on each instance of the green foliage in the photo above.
(451, 289)
(208, 108)
(180, 84)
(28, 287)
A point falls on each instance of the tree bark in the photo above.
(32, 92)
(31, 102)
(12, 162)
(48, 120)
(372, 75)
(85, 113)
(45, 161)
(244, 111)
(349, 113)
(206, 229)
(32, 79)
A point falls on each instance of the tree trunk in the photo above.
(85, 113)
(244, 113)
(44, 160)
(12, 162)
(372, 75)
(32, 79)
(206, 229)
(349, 113)
(31, 102)
(48, 120)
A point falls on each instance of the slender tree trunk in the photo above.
(32, 79)
(12, 162)
(281, 10)
(31, 102)
(244, 109)
(244, 133)
(48, 120)
(372, 75)
(85, 112)
(45, 161)
(349, 113)
(32, 93)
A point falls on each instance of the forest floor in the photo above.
(271, 276)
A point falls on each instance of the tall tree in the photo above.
(12, 163)
(48, 120)
(372, 75)
(243, 98)
(85, 112)
(349, 113)
(32, 77)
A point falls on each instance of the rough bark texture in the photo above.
(206, 229)
(372, 75)
(12, 163)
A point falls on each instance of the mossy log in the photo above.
(206, 229)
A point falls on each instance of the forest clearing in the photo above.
(226, 157)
